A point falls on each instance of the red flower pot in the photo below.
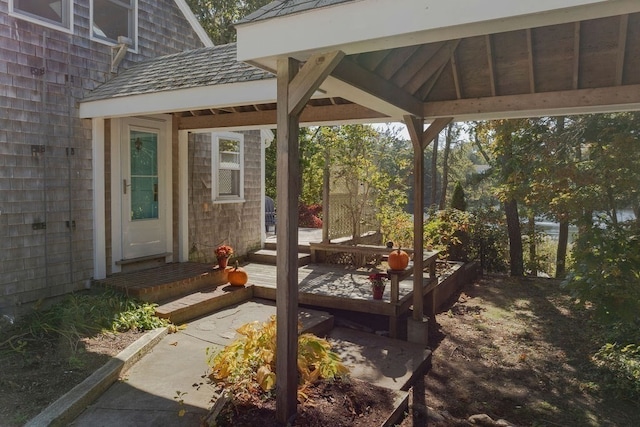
(222, 263)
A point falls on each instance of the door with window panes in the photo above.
(143, 190)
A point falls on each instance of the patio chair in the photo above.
(269, 214)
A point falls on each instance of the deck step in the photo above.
(204, 302)
(165, 282)
(270, 256)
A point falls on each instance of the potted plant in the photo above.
(378, 282)
(223, 253)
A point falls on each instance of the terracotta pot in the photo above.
(377, 292)
(222, 262)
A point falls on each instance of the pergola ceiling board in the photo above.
(553, 57)
(471, 57)
(371, 60)
(396, 59)
(599, 52)
(511, 62)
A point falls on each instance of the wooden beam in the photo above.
(287, 235)
(532, 77)
(622, 47)
(358, 77)
(308, 80)
(310, 115)
(620, 98)
(576, 55)
(434, 129)
(456, 76)
(415, 127)
(492, 76)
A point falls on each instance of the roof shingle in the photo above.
(286, 7)
(193, 68)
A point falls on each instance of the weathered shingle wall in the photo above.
(212, 224)
(46, 219)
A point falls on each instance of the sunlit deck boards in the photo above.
(335, 287)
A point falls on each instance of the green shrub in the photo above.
(77, 315)
(489, 242)
(606, 270)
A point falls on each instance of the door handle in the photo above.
(125, 185)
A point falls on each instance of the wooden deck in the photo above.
(334, 286)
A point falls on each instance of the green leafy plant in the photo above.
(447, 230)
(80, 314)
(607, 270)
(246, 367)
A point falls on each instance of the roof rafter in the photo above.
(364, 81)
(622, 43)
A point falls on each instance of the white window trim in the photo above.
(215, 161)
(134, 38)
(34, 19)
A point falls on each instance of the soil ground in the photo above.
(514, 349)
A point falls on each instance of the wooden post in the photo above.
(420, 139)
(294, 90)
(325, 196)
(415, 126)
(287, 237)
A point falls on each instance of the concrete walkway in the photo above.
(176, 368)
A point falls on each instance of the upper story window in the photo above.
(114, 18)
(51, 13)
(227, 167)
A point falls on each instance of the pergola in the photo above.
(423, 61)
(338, 61)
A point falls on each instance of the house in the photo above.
(55, 235)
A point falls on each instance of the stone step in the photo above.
(203, 302)
(269, 256)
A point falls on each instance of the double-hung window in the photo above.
(111, 19)
(227, 167)
(51, 13)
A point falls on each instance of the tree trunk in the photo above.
(445, 167)
(515, 238)
(561, 254)
(531, 231)
(434, 172)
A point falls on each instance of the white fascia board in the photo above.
(193, 21)
(216, 96)
(371, 25)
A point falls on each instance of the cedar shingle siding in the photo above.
(46, 216)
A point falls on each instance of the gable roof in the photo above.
(287, 7)
(193, 68)
(193, 21)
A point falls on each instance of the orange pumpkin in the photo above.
(398, 260)
(238, 276)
